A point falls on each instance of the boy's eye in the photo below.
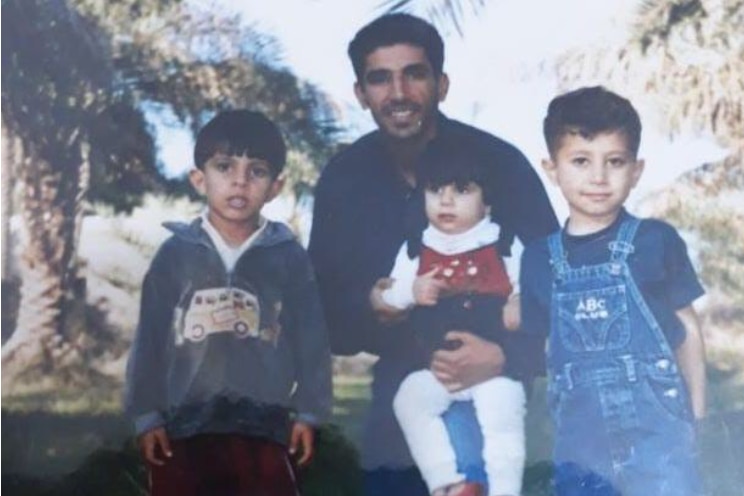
(259, 172)
(617, 162)
(222, 166)
(580, 161)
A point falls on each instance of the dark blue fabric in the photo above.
(363, 213)
(660, 266)
(226, 382)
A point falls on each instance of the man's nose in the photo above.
(398, 87)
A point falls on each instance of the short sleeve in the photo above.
(681, 283)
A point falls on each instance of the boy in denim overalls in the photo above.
(626, 364)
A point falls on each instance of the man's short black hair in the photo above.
(589, 111)
(394, 29)
(239, 132)
(454, 160)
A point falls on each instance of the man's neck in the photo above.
(406, 154)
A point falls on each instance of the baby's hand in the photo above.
(511, 313)
(427, 287)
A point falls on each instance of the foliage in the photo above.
(687, 55)
(58, 96)
(443, 13)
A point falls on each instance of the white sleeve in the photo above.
(400, 294)
(513, 264)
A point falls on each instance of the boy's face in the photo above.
(455, 210)
(401, 91)
(236, 188)
(595, 176)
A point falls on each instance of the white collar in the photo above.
(483, 233)
(230, 254)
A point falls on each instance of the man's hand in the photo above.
(475, 361)
(386, 314)
(302, 437)
(427, 288)
(511, 313)
(154, 444)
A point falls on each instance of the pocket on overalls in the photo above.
(669, 392)
(594, 320)
(554, 397)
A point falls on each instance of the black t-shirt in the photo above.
(660, 266)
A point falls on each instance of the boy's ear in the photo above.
(196, 177)
(550, 170)
(638, 171)
(276, 187)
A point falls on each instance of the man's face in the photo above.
(401, 91)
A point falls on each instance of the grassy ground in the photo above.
(48, 454)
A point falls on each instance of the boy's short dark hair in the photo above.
(452, 160)
(238, 132)
(589, 111)
(393, 29)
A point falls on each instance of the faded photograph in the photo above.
(373, 248)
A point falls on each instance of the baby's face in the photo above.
(453, 209)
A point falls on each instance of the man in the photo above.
(366, 205)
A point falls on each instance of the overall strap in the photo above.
(558, 258)
(622, 246)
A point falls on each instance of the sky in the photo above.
(498, 68)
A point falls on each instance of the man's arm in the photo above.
(344, 294)
(306, 329)
(691, 359)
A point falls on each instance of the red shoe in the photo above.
(466, 489)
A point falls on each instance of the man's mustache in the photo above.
(402, 106)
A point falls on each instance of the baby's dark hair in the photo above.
(588, 112)
(238, 132)
(453, 160)
(393, 29)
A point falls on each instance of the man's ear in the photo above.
(443, 86)
(196, 177)
(550, 170)
(361, 97)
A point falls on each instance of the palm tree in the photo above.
(75, 75)
(687, 55)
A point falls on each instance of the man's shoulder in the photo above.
(353, 158)
(480, 138)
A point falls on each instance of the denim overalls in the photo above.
(620, 406)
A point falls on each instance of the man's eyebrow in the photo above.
(377, 72)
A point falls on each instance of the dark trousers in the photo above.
(224, 465)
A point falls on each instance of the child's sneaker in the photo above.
(466, 489)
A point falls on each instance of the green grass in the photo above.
(55, 454)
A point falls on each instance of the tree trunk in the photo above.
(11, 154)
(38, 345)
